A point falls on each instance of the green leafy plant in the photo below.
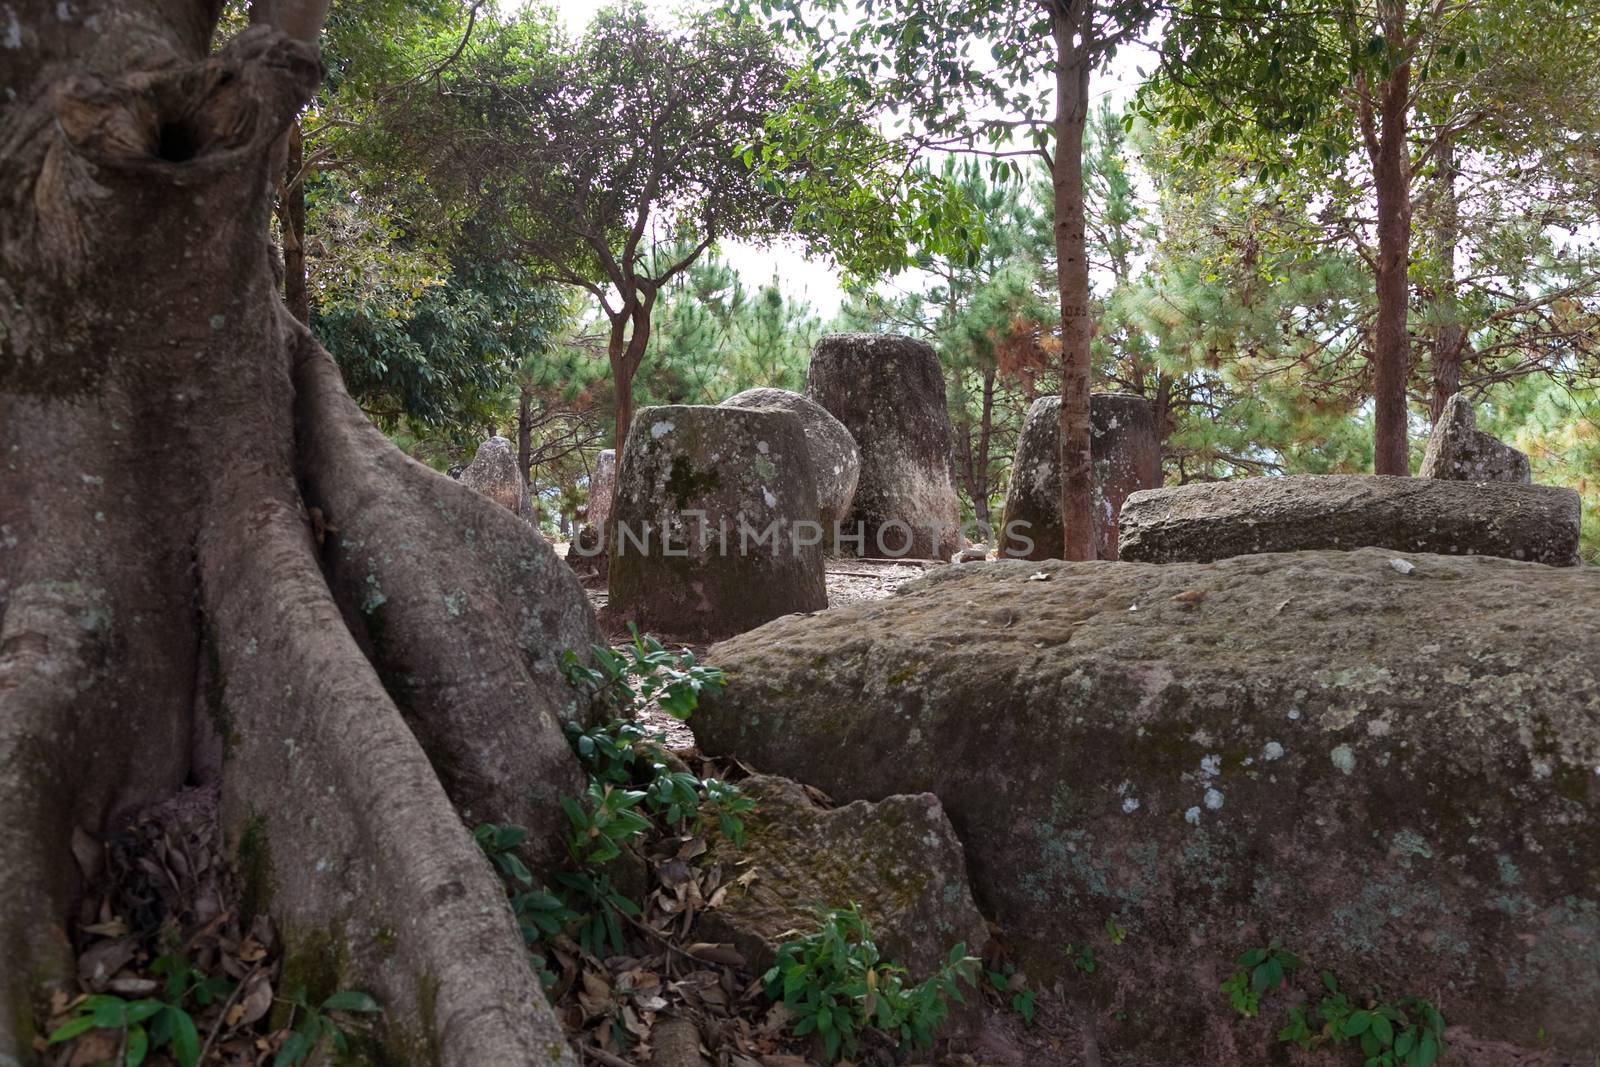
(1083, 958)
(1264, 969)
(1408, 1032)
(623, 753)
(728, 803)
(1115, 932)
(644, 671)
(1009, 982)
(603, 823)
(317, 1024)
(835, 984)
(146, 1024)
(499, 843)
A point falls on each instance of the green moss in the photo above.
(684, 484)
(253, 860)
(314, 962)
(428, 1007)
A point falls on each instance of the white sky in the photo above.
(817, 280)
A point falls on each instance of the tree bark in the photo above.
(1072, 27)
(1449, 336)
(980, 491)
(292, 223)
(169, 611)
(1391, 164)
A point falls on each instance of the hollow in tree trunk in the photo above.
(169, 612)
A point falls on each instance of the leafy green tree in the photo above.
(914, 58)
(592, 157)
(1364, 99)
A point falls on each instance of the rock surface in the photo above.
(835, 460)
(589, 547)
(889, 393)
(493, 472)
(1126, 450)
(1215, 520)
(714, 527)
(1459, 450)
(898, 859)
(1396, 775)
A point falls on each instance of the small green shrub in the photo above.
(1264, 969)
(1408, 1032)
(316, 1024)
(836, 986)
(1010, 982)
(146, 1024)
(622, 683)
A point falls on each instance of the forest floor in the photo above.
(169, 963)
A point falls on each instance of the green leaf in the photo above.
(350, 1000)
(185, 1039)
(138, 1046)
(71, 1029)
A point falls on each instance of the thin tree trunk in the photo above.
(621, 379)
(1072, 29)
(980, 499)
(1391, 166)
(1449, 334)
(525, 433)
(293, 217)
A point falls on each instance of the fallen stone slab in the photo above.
(889, 393)
(1393, 770)
(898, 859)
(714, 525)
(1125, 447)
(1214, 520)
(1458, 450)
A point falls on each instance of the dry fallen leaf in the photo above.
(256, 1002)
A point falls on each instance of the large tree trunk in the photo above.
(167, 612)
(1391, 164)
(1071, 28)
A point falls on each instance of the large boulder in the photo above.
(835, 460)
(1213, 520)
(889, 393)
(1393, 770)
(1125, 446)
(714, 527)
(493, 472)
(1460, 451)
(898, 859)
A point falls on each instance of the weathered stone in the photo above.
(889, 394)
(1459, 450)
(1396, 775)
(835, 460)
(898, 859)
(1214, 520)
(493, 472)
(1126, 449)
(714, 526)
(589, 547)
